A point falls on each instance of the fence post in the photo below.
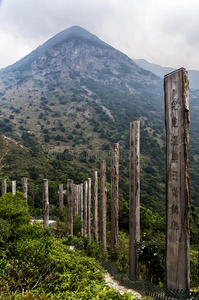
(103, 204)
(61, 197)
(95, 206)
(114, 196)
(45, 203)
(176, 87)
(3, 186)
(14, 187)
(85, 207)
(134, 197)
(70, 204)
(25, 188)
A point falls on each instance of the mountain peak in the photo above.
(74, 32)
(67, 35)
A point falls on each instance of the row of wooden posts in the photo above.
(79, 199)
(177, 189)
(24, 187)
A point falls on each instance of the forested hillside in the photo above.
(74, 96)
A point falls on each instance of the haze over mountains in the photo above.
(161, 71)
(76, 95)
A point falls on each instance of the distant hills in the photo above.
(161, 71)
(74, 96)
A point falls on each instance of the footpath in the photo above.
(114, 284)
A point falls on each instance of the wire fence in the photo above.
(146, 288)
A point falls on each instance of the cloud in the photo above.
(163, 32)
(35, 19)
(27, 24)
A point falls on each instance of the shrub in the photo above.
(14, 210)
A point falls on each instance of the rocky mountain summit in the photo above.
(75, 54)
(74, 72)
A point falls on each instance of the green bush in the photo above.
(5, 232)
(151, 255)
(47, 268)
(14, 210)
(36, 265)
(194, 263)
(77, 225)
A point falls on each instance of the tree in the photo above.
(151, 255)
(14, 210)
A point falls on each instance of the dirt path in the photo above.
(113, 283)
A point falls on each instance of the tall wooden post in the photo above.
(89, 208)
(95, 206)
(114, 196)
(103, 204)
(3, 186)
(70, 204)
(85, 207)
(134, 197)
(25, 188)
(45, 203)
(82, 206)
(176, 87)
(61, 197)
(74, 199)
(14, 187)
(79, 200)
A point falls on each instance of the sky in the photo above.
(164, 32)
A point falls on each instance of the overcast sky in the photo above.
(165, 32)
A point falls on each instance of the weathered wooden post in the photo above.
(89, 208)
(85, 207)
(25, 188)
(45, 203)
(82, 206)
(79, 200)
(14, 187)
(103, 204)
(61, 197)
(176, 87)
(95, 206)
(3, 186)
(70, 204)
(114, 196)
(134, 196)
(74, 199)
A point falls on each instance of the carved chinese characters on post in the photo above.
(174, 127)
(177, 175)
(174, 156)
(134, 196)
